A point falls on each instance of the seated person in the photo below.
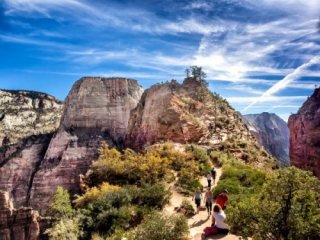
(218, 223)
(218, 219)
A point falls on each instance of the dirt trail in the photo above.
(201, 220)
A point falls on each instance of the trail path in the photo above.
(201, 220)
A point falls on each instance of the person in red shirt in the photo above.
(222, 199)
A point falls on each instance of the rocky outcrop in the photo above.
(271, 132)
(186, 113)
(21, 224)
(19, 164)
(26, 113)
(96, 110)
(305, 135)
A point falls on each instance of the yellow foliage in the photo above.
(94, 192)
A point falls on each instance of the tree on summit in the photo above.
(196, 73)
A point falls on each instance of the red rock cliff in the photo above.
(184, 113)
(21, 224)
(96, 110)
(305, 135)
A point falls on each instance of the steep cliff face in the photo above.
(21, 224)
(305, 135)
(272, 133)
(96, 110)
(185, 113)
(26, 113)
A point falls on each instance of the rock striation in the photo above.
(305, 135)
(185, 113)
(271, 132)
(17, 224)
(26, 113)
(96, 110)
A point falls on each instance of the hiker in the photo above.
(213, 174)
(208, 199)
(197, 197)
(209, 179)
(222, 199)
(218, 223)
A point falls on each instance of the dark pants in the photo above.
(198, 201)
(209, 183)
(209, 206)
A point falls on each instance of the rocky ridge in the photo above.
(187, 113)
(305, 135)
(96, 110)
(112, 110)
(271, 132)
(26, 113)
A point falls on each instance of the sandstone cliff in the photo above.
(186, 113)
(21, 224)
(272, 132)
(26, 113)
(96, 110)
(305, 135)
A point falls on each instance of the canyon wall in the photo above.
(305, 135)
(17, 224)
(272, 132)
(96, 110)
(26, 113)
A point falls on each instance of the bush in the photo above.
(65, 229)
(94, 193)
(287, 207)
(61, 206)
(128, 168)
(188, 179)
(240, 180)
(186, 208)
(152, 196)
(159, 227)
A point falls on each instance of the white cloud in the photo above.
(269, 99)
(298, 72)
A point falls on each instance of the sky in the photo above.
(260, 55)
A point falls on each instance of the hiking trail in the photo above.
(201, 220)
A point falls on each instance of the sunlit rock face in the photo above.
(26, 113)
(27, 122)
(305, 135)
(183, 113)
(96, 110)
(272, 132)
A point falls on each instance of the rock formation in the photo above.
(96, 110)
(305, 135)
(271, 132)
(185, 113)
(21, 224)
(26, 113)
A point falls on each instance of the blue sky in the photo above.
(260, 55)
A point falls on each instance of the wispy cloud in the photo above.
(298, 72)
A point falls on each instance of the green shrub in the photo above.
(150, 195)
(287, 207)
(65, 229)
(159, 227)
(61, 206)
(186, 208)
